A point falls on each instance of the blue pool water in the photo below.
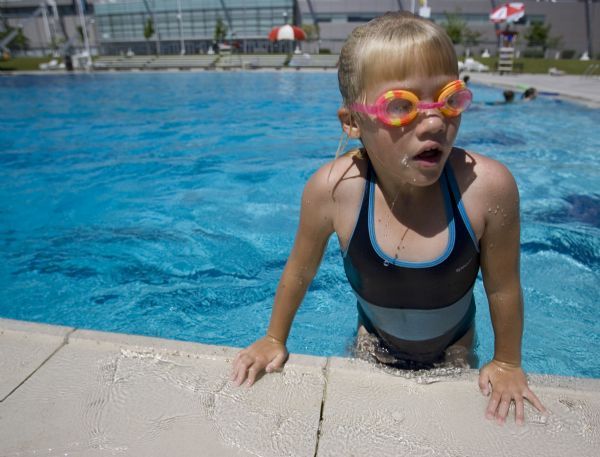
(166, 205)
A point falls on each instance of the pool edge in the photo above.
(331, 380)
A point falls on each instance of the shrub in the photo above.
(535, 53)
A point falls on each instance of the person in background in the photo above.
(529, 94)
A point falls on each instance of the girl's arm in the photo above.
(316, 225)
(500, 251)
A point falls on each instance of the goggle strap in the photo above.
(367, 109)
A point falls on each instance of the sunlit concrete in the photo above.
(580, 89)
(367, 409)
(108, 394)
(24, 347)
(93, 393)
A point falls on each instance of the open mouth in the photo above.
(430, 156)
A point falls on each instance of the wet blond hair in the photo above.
(391, 47)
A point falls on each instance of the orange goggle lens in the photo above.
(400, 107)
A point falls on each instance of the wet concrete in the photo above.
(79, 393)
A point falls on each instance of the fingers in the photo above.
(241, 365)
(490, 412)
(277, 363)
(253, 371)
(484, 383)
(503, 408)
(519, 411)
(247, 367)
(534, 400)
(499, 405)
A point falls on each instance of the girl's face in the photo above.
(417, 152)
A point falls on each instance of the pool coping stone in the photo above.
(316, 406)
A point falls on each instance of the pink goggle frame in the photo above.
(400, 107)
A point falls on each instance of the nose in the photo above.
(430, 121)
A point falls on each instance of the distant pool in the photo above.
(165, 204)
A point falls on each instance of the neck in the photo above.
(396, 191)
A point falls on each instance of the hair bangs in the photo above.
(418, 57)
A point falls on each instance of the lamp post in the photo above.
(180, 19)
(86, 41)
(588, 24)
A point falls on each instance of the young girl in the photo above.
(415, 217)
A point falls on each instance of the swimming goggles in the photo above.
(400, 107)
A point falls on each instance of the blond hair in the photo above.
(391, 47)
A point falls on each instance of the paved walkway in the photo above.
(581, 89)
(68, 392)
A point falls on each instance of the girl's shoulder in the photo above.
(342, 176)
(476, 173)
(485, 185)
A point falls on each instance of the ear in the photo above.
(348, 122)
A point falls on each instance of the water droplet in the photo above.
(386, 263)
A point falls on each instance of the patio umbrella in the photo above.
(287, 32)
(509, 12)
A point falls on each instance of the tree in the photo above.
(538, 35)
(471, 37)
(19, 42)
(220, 30)
(148, 31)
(149, 28)
(455, 27)
(311, 31)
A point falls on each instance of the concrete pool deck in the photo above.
(71, 392)
(584, 90)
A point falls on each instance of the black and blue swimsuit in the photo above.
(417, 309)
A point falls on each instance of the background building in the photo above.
(119, 26)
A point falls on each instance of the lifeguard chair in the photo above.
(506, 53)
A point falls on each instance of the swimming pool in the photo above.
(165, 204)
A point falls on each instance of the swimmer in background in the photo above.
(509, 97)
(529, 94)
(415, 216)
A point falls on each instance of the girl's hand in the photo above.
(506, 383)
(266, 354)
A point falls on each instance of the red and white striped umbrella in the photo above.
(287, 32)
(509, 12)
